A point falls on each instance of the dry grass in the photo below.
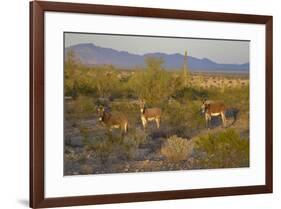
(176, 149)
(219, 81)
(225, 149)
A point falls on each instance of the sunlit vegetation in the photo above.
(177, 149)
(181, 142)
(222, 150)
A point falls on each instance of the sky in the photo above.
(220, 51)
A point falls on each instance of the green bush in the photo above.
(140, 136)
(190, 93)
(113, 145)
(85, 132)
(102, 149)
(222, 150)
(153, 83)
(181, 115)
(99, 81)
(83, 106)
(176, 114)
(176, 149)
(128, 148)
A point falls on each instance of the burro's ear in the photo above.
(100, 108)
(141, 101)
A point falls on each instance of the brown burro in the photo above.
(113, 119)
(149, 114)
(213, 108)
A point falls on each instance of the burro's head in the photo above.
(203, 106)
(142, 105)
(100, 111)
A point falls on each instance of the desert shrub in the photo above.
(196, 119)
(85, 132)
(113, 145)
(78, 77)
(176, 149)
(129, 143)
(102, 149)
(176, 114)
(127, 91)
(123, 106)
(105, 82)
(140, 136)
(183, 115)
(190, 93)
(122, 90)
(222, 150)
(176, 82)
(128, 148)
(99, 81)
(153, 83)
(80, 107)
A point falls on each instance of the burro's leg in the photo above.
(143, 120)
(207, 121)
(157, 122)
(125, 127)
(223, 119)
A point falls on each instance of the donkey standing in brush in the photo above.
(210, 108)
(113, 119)
(149, 114)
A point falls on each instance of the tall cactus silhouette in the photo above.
(185, 70)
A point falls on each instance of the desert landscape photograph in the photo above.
(148, 104)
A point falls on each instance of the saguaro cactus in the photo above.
(185, 70)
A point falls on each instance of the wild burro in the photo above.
(113, 119)
(213, 108)
(149, 114)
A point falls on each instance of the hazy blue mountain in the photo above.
(90, 54)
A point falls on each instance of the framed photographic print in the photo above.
(138, 104)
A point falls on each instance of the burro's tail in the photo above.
(233, 113)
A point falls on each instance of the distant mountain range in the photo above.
(90, 54)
